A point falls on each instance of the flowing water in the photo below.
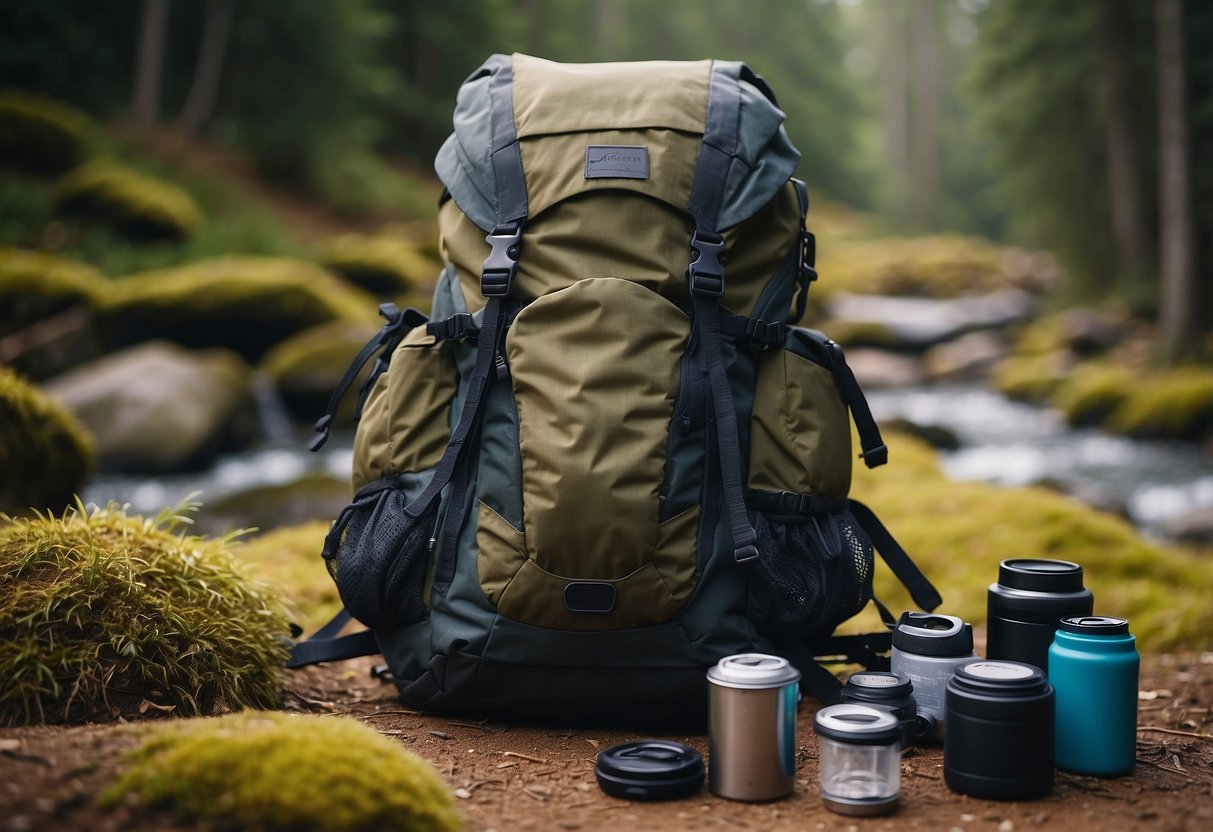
(1002, 441)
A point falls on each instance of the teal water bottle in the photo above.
(1093, 666)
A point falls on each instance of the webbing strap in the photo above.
(326, 646)
(384, 343)
(806, 272)
(705, 277)
(921, 589)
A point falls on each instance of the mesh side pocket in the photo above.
(812, 572)
(377, 555)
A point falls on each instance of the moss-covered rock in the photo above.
(137, 206)
(40, 135)
(289, 558)
(1034, 377)
(1176, 404)
(247, 304)
(306, 368)
(385, 264)
(957, 532)
(1092, 392)
(45, 455)
(34, 285)
(311, 497)
(102, 612)
(277, 772)
(936, 266)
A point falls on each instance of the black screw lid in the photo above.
(878, 685)
(1095, 625)
(997, 676)
(929, 634)
(1040, 575)
(650, 770)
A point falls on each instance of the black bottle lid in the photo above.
(930, 634)
(878, 686)
(1095, 625)
(999, 677)
(1040, 575)
(650, 770)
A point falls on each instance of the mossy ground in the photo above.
(46, 456)
(274, 771)
(137, 206)
(102, 612)
(957, 532)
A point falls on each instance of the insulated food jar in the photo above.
(1032, 595)
(859, 756)
(894, 693)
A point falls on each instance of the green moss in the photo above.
(385, 264)
(1034, 377)
(306, 367)
(45, 454)
(289, 558)
(1176, 404)
(102, 611)
(273, 771)
(1092, 392)
(39, 135)
(136, 205)
(938, 267)
(247, 304)
(34, 285)
(958, 532)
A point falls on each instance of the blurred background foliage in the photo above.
(1035, 122)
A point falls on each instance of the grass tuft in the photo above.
(274, 771)
(104, 612)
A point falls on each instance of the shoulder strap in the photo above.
(326, 646)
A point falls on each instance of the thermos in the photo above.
(1093, 665)
(1032, 595)
(999, 738)
(926, 649)
(859, 758)
(752, 727)
(892, 692)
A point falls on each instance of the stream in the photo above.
(1002, 441)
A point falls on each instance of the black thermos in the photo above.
(1026, 605)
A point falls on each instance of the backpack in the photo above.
(606, 461)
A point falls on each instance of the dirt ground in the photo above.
(519, 778)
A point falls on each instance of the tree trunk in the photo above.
(149, 61)
(1177, 315)
(924, 185)
(204, 90)
(895, 65)
(1124, 165)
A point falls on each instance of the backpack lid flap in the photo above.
(666, 99)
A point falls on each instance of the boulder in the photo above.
(920, 323)
(937, 436)
(1090, 332)
(313, 497)
(878, 369)
(970, 357)
(305, 368)
(1194, 527)
(159, 408)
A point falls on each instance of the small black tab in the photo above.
(706, 272)
(455, 328)
(745, 553)
(595, 597)
(322, 432)
(501, 367)
(875, 457)
(501, 266)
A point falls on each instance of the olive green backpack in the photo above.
(609, 457)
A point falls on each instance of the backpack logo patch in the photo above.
(615, 161)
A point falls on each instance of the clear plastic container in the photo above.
(859, 757)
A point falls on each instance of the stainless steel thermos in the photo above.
(999, 738)
(1032, 595)
(752, 727)
(1093, 666)
(926, 649)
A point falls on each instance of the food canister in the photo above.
(894, 693)
(859, 757)
(1093, 666)
(999, 739)
(926, 648)
(752, 727)
(1024, 607)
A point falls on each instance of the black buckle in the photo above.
(808, 255)
(763, 334)
(501, 265)
(706, 272)
(455, 328)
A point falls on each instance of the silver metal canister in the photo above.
(752, 729)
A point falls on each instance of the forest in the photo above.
(1082, 128)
